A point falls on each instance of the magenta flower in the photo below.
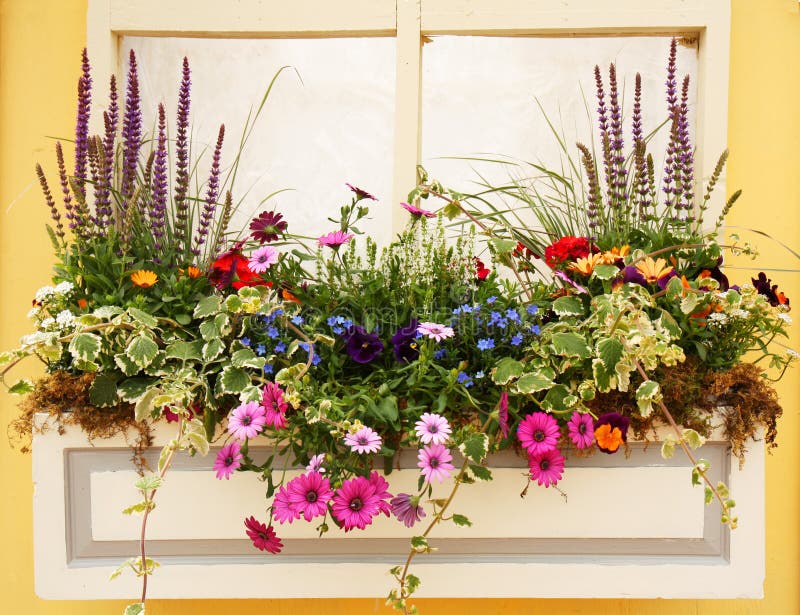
(315, 465)
(434, 461)
(581, 430)
(365, 440)
(335, 239)
(547, 467)
(416, 211)
(310, 494)
(407, 509)
(274, 405)
(263, 537)
(267, 226)
(354, 504)
(247, 421)
(433, 428)
(361, 194)
(228, 459)
(381, 492)
(283, 509)
(435, 331)
(538, 432)
(262, 259)
(502, 414)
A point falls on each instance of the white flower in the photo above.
(793, 354)
(785, 318)
(44, 292)
(718, 318)
(65, 318)
(47, 322)
(740, 314)
(63, 288)
(34, 312)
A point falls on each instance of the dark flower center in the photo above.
(228, 460)
(538, 435)
(311, 496)
(362, 441)
(544, 464)
(582, 428)
(356, 504)
(247, 420)
(433, 429)
(263, 536)
(434, 463)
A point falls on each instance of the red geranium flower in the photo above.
(231, 269)
(481, 272)
(566, 249)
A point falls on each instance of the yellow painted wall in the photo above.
(40, 43)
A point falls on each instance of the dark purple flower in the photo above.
(631, 275)
(609, 440)
(211, 195)
(361, 346)
(361, 194)
(158, 209)
(131, 130)
(267, 226)
(82, 124)
(715, 273)
(182, 156)
(664, 280)
(765, 287)
(404, 342)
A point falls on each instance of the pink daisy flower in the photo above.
(381, 492)
(407, 509)
(263, 537)
(228, 459)
(416, 211)
(435, 331)
(547, 467)
(360, 194)
(502, 414)
(354, 504)
(365, 440)
(262, 259)
(434, 461)
(334, 239)
(310, 494)
(581, 429)
(538, 432)
(283, 509)
(433, 428)
(247, 421)
(274, 405)
(315, 465)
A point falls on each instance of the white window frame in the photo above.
(409, 21)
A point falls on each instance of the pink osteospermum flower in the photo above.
(228, 459)
(407, 509)
(433, 428)
(263, 537)
(262, 259)
(547, 467)
(360, 194)
(247, 420)
(274, 405)
(283, 509)
(309, 494)
(381, 492)
(538, 432)
(365, 440)
(355, 504)
(435, 331)
(335, 239)
(417, 211)
(315, 464)
(581, 429)
(434, 462)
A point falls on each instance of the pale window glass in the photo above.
(329, 119)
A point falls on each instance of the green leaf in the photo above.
(183, 319)
(143, 318)
(132, 389)
(533, 382)
(480, 472)
(233, 380)
(21, 387)
(103, 391)
(247, 358)
(507, 369)
(475, 447)
(568, 306)
(233, 304)
(412, 583)
(139, 507)
(610, 352)
(134, 609)
(385, 410)
(668, 448)
(142, 350)
(689, 303)
(144, 407)
(209, 330)
(419, 544)
(461, 520)
(185, 351)
(669, 324)
(148, 482)
(647, 393)
(605, 272)
(693, 439)
(126, 365)
(570, 345)
(196, 434)
(207, 306)
(85, 347)
(503, 246)
(559, 399)
(212, 349)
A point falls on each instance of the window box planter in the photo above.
(625, 528)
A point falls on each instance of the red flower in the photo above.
(481, 272)
(566, 249)
(267, 226)
(523, 251)
(231, 269)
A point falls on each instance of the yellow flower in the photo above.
(653, 270)
(587, 264)
(192, 271)
(609, 257)
(144, 278)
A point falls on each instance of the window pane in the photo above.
(329, 119)
(480, 97)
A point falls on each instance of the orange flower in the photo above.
(287, 296)
(192, 271)
(653, 270)
(144, 278)
(608, 438)
(82, 303)
(609, 257)
(587, 264)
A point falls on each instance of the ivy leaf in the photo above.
(144, 407)
(233, 304)
(212, 349)
(507, 369)
(132, 389)
(674, 288)
(461, 520)
(480, 472)
(126, 365)
(233, 380)
(559, 399)
(533, 382)
(568, 306)
(605, 272)
(21, 387)
(103, 391)
(142, 350)
(420, 544)
(143, 318)
(247, 358)
(185, 351)
(669, 324)
(610, 352)
(85, 347)
(602, 377)
(647, 393)
(475, 447)
(570, 344)
(209, 330)
(207, 306)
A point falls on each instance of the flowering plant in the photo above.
(336, 355)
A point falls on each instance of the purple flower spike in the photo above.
(131, 131)
(182, 155)
(104, 212)
(82, 124)
(211, 196)
(159, 205)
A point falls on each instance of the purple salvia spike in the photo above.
(158, 209)
(619, 173)
(182, 163)
(95, 152)
(111, 122)
(82, 123)
(686, 153)
(62, 176)
(672, 84)
(602, 120)
(131, 132)
(594, 196)
(211, 195)
(51, 204)
(671, 161)
(639, 148)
